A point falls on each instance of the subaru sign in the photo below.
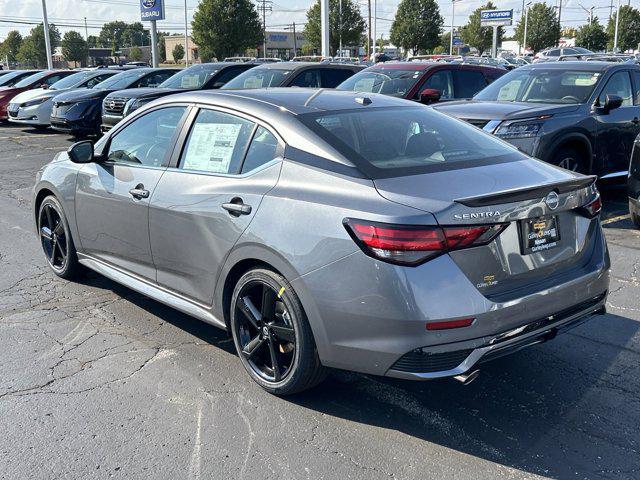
(151, 10)
(496, 18)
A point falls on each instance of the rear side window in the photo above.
(619, 84)
(217, 143)
(262, 150)
(332, 77)
(308, 78)
(226, 75)
(468, 83)
(637, 79)
(395, 141)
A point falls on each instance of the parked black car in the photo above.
(205, 76)
(634, 184)
(79, 112)
(294, 74)
(583, 116)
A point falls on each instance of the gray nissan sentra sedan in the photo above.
(331, 229)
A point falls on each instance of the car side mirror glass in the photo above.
(430, 95)
(612, 102)
(81, 152)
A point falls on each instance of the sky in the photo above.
(97, 12)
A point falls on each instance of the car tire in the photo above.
(264, 335)
(55, 239)
(635, 215)
(570, 159)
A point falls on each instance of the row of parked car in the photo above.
(582, 116)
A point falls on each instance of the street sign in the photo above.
(457, 42)
(151, 10)
(496, 18)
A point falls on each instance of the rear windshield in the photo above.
(542, 86)
(9, 79)
(396, 83)
(194, 77)
(259, 78)
(385, 142)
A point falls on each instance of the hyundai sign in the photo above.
(151, 10)
(496, 18)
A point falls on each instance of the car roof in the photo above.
(575, 65)
(300, 65)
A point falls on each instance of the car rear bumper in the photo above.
(368, 315)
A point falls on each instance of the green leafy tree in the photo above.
(135, 54)
(74, 47)
(33, 51)
(417, 25)
(135, 35)
(352, 26)
(11, 45)
(628, 29)
(162, 47)
(178, 53)
(592, 36)
(93, 41)
(543, 29)
(476, 36)
(223, 28)
(111, 35)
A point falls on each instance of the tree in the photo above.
(352, 26)
(74, 47)
(135, 35)
(417, 25)
(628, 29)
(33, 51)
(476, 36)
(162, 46)
(135, 54)
(543, 29)
(178, 53)
(592, 36)
(11, 45)
(111, 35)
(222, 28)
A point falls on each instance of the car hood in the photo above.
(144, 92)
(482, 110)
(436, 192)
(81, 94)
(31, 94)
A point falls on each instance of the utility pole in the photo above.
(610, 11)
(86, 30)
(295, 41)
(324, 27)
(560, 18)
(265, 6)
(375, 15)
(521, 18)
(526, 23)
(186, 37)
(369, 30)
(453, 14)
(615, 36)
(340, 27)
(47, 40)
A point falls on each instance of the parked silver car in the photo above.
(330, 229)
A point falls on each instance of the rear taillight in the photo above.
(593, 208)
(415, 244)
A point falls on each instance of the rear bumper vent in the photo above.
(417, 361)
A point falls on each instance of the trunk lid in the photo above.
(512, 194)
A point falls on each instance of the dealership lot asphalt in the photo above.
(96, 381)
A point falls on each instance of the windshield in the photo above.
(541, 86)
(395, 141)
(9, 79)
(193, 77)
(120, 80)
(259, 78)
(71, 81)
(396, 83)
(25, 82)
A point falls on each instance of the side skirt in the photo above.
(156, 292)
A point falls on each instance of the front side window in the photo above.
(619, 84)
(259, 78)
(332, 77)
(192, 77)
(441, 81)
(468, 83)
(146, 140)
(308, 78)
(542, 86)
(217, 143)
(155, 79)
(398, 141)
(396, 83)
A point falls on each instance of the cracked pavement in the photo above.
(97, 381)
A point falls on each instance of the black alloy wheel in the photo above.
(53, 236)
(265, 330)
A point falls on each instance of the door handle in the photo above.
(237, 207)
(139, 192)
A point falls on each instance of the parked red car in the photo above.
(37, 80)
(426, 82)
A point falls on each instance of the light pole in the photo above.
(375, 21)
(324, 26)
(186, 37)
(453, 15)
(340, 27)
(526, 23)
(47, 40)
(615, 36)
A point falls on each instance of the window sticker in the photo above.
(211, 147)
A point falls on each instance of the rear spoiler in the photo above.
(530, 193)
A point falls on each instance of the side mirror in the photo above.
(430, 95)
(81, 152)
(611, 103)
